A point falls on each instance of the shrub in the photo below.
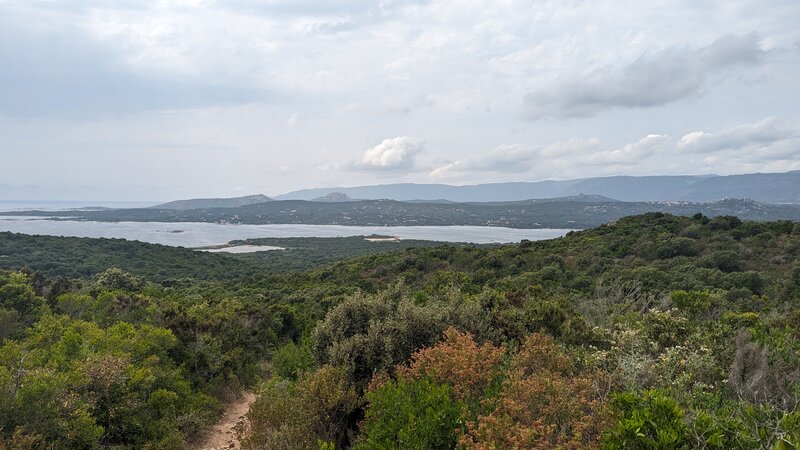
(290, 360)
(724, 223)
(540, 352)
(19, 305)
(753, 378)
(271, 419)
(678, 246)
(114, 279)
(741, 320)
(725, 260)
(82, 386)
(749, 280)
(411, 414)
(693, 302)
(320, 406)
(666, 328)
(650, 421)
(458, 361)
(370, 334)
(541, 405)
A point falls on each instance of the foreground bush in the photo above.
(458, 361)
(541, 405)
(652, 421)
(411, 414)
(371, 334)
(320, 406)
(73, 384)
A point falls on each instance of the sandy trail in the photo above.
(223, 435)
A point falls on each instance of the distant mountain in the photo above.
(205, 203)
(333, 197)
(776, 188)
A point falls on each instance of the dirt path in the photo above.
(223, 435)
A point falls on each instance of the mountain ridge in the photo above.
(774, 188)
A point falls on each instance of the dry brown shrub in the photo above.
(458, 361)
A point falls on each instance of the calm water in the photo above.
(192, 234)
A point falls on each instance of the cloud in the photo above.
(629, 154)
(392, 154)
(444, 171)
(204, 78)
(769, 145)
(653, 79)
(62, 72)
(515, 158)
(765, 133)
(506, 158)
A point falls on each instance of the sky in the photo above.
(165, 99)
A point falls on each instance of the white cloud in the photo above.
(444, 171)
(214, 78)
(630, 154)
(392, 154)
(765, 133)
(515, 159)
(766, 145)
(652, 79)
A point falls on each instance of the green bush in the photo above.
(321, 407)
(290, 360)
(650, 421)
(693, 302)
(414, 415)
(724, 260)
(678, 246)
(114, 279)
(367, 334)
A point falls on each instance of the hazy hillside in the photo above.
(572, 212)
(333, 197)
(762, 187)
(232, 202)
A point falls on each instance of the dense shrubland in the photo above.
(120, 361)
(74, 257)
(653, 332)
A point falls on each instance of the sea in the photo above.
(196, 234)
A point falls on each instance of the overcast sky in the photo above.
(151, 100)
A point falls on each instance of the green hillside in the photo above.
(572, 212)
(655, 331)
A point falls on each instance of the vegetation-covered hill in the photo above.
(306, 253)
(655, 331)
(231, 202)
(573, 212)
(74, 257)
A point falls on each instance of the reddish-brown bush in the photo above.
(542, 405)
(458, 361)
